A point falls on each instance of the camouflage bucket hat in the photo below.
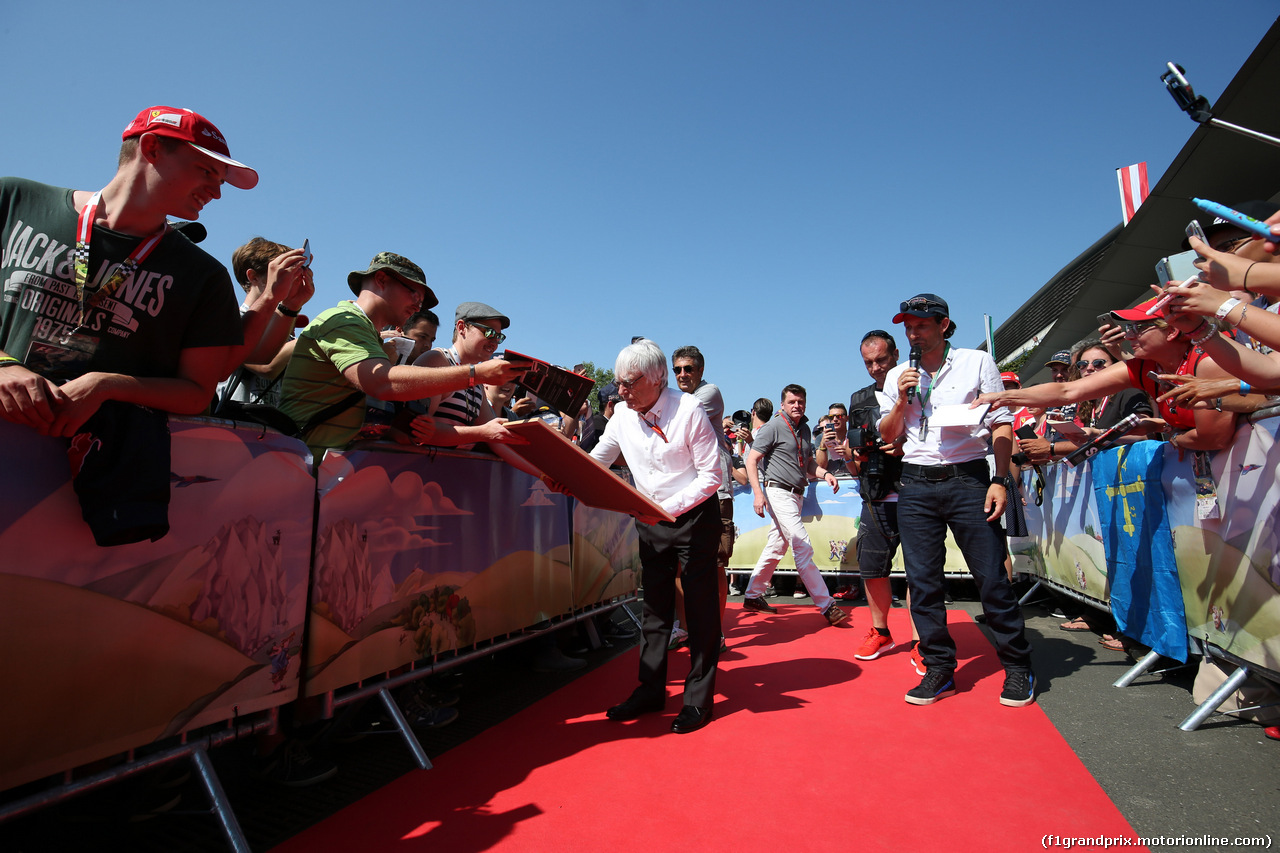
(402, 267)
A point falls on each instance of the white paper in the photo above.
(959, 415)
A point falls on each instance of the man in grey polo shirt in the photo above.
(785, 446)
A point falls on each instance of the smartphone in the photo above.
(1106, 320)
(1194, 230)
(306, 253)
(1026, 432)
(1235, 217)
(1155, 377)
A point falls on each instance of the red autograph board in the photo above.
(592, 483)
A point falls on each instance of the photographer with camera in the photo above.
(878, 465)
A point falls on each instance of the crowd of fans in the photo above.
(80, 331)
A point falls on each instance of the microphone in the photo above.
(914, 362)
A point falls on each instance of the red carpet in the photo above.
(809, 750)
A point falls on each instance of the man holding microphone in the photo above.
(946, 483)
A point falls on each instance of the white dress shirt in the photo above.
(964, 374)
(677, 473)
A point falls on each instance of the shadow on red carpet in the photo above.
(809, 750)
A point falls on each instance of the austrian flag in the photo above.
(1133, 188)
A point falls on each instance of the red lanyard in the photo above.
(799, 449)
(84, 230)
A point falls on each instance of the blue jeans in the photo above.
(926, 509)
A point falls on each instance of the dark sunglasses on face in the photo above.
(683, 368)
(488, 331)
(1098, 364)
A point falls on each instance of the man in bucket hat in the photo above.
(947, 484)
(339, 357)
(102, 299)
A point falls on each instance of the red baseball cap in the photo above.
(1138, 313)
(1010, 376)
(199, 132)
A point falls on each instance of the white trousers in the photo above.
(787, 531)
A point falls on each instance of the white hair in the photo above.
(645, 357)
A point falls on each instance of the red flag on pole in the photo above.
(1133, 188)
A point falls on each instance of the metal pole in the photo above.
(1209, 707)
(406, 733)
(218, 797)
(1137, 669)
(1244, 131)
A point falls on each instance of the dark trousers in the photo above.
(878, 538)
(689, 544)
(926, 510)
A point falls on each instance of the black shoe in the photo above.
(759, 605)
(938, 683)
(635, 706)
(1019, 688)
(690, 719)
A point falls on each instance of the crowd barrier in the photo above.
(272, 584)
(1174, 552)
(1128, 532)
(831, 517)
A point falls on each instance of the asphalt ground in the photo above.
(1222, 780)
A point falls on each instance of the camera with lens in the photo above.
(864, 439)
(741, 418)
(1020, 459)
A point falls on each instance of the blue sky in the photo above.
(764, 180)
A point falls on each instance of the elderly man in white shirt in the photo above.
(673, 453)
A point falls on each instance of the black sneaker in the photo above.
(759, 605)
(1019, 688)
(938, 683)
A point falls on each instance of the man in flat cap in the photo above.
(339, 358)
(463, 417)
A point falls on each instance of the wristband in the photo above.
(6, 360)
(471, 381)
(285, 311)
(1225, 308)
(1051, 444)
(1245, 284)
(1245, 388)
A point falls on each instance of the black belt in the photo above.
(936, 473)
(774, 484)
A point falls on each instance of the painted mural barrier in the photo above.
(417, 554)
(107, 649)
(831, 518)
(1176, 547)
(427, 552)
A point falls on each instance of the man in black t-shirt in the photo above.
(102, 300)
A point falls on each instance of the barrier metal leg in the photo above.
(593, 636)
(1137, 669)
(1026, 596)
(218, 798)
(410, 739)
(1209, 706)
(635, 620)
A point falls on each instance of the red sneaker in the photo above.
(917, 660)
(873, 645)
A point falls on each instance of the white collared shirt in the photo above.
(964, 374)
(676, 474)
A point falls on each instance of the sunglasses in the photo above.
(683, 368)
(627, 383)
(1098, 364)
(488, 331)
(1132, 330)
